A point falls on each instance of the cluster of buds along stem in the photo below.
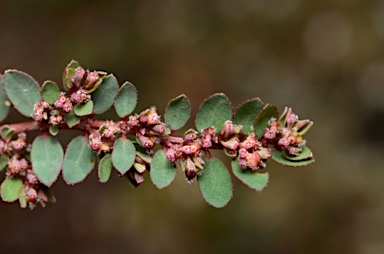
(286, 134)
(16, 150)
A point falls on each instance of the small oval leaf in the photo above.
(279, 157)
(123, 155)
(4, 103)
(50, 92)
(68, 73)
(262, 120)
(3, 162)
(47, 158)
(247, 113)
(83, 109)
(254, 180)
(215, 183)
(162, 171)
(214, 112)
(72, 119)
(78, 162)
(22, 90)
(177, 112)
(10, 189)
(126, 99)
(104, 96)
(105, 168)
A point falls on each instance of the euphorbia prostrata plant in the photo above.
(137, 143)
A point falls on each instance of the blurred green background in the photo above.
(323, 58)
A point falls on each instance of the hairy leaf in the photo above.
(104, 96)
(162, 171)
(10, 189)
(123, 155)
(68, 73)
(126, 99)
(254, 180)
(105, 168)
(177, 112)
(4, 103)
(50, 92)
(47, 158)
(22, 90)
(215, 183)
(247, 113)
(262, 120)
(214, 112)
(78, 162)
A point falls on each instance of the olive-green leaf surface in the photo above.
(47, 158)
(105, 168)
(123, 155)
(215, 183)
(10, 189)
(79, 160)
(4, 103)
(50, 92)
(214, 112)
(177, 112)
(68, 73)
(126, 99)
(22, 90)
(162, 171)
(254, 180)
(104, 96)
(3, 162)
(262, 120)
(247, 113)
(280, 158)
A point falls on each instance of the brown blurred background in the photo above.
(323, 58)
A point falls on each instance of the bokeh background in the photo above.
(323, 58)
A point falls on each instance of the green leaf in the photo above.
(53, 130)
(50, 92)
(215, 183)
(72, 119)
(4, 103)
(105, 168)
(162, 171)
(3, 162)
(47, 157)
(22, 90)
(123, 155)
(305, 154)
(279, 157)
(69, 72)
(83, 109)
(214, 112)
(247, 113)
(6, 132)
(10, 189)
(177, 112)
(262, 120)
(104, 96)
(126, 100)
(22, 197)
(78, 162)
(254, 180)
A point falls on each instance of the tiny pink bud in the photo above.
(91, 80)
(243, 153)
(253, 160)
(31, 195)
(159, 128)
(170, 154)
(243, 163)
(227, 129)
(249, 142)
(269, 133)
(231, 144)
(153, 117)
(24, 164)
(67, 106)
(133, 120)
(284, 142)
(32, 178)
(146, 142)
(206, 143)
